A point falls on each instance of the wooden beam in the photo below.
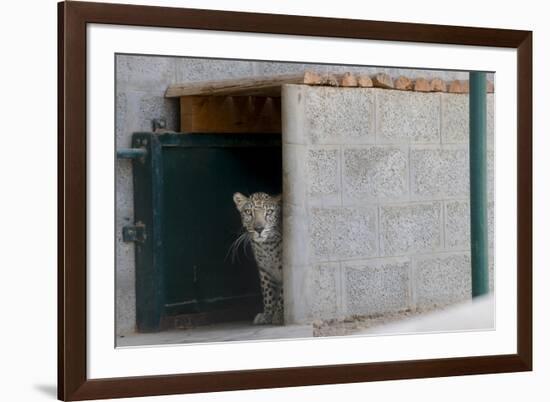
(230, 114)
(265, 86)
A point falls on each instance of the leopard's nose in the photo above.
(258, 229)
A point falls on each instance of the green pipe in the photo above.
(478, 183)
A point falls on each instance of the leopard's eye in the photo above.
(268, 212)
(247, 212)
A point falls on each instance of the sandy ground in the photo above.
(354, 324)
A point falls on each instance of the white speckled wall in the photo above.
(376, 189)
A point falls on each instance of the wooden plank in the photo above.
(266, 86)
(252, 86)
(230, 114)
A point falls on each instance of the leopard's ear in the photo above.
(277, 198)
(239, 200)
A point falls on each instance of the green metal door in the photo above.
(183, 188)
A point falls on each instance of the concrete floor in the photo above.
(468, 316)
(476, 315)
(226, 332)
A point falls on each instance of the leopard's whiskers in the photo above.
(243, 239)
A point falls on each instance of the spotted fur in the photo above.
(261, 219)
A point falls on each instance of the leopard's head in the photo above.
(260, 215)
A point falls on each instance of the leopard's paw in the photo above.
(262, 319)
(278, 318)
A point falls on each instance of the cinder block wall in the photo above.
(140, 85)
(376, 210)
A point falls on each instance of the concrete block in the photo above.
(377, 286)
(124, 195)
(323, 171)
(375, 172)
(292, 114)
(490, 173)
(295, 182)
(136, 111)
(439, 172)
(445, 75)
(155, 107)
(296, 247)
(127, 119)
(454, 118)
(341, 233)
(296, 298)
(490, 121)
(271, 68)
(363, 70)
(491, 224)
(324, 291)
(125, 297)
(125, 300)
(122, 124)
(410, 228)
(491, 271)
(145, 73)
(407, 117)
(339, 115)
(455, 123)
(194, 69)
(457, 224)
(442, 279)
(125, 277)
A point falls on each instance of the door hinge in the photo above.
(135, 233)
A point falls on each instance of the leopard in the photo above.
(261, 218)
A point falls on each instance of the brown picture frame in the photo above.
(73, 383)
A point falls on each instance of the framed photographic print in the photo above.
(253, 200)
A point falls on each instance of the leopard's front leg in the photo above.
(278, 313)
(268, 296)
